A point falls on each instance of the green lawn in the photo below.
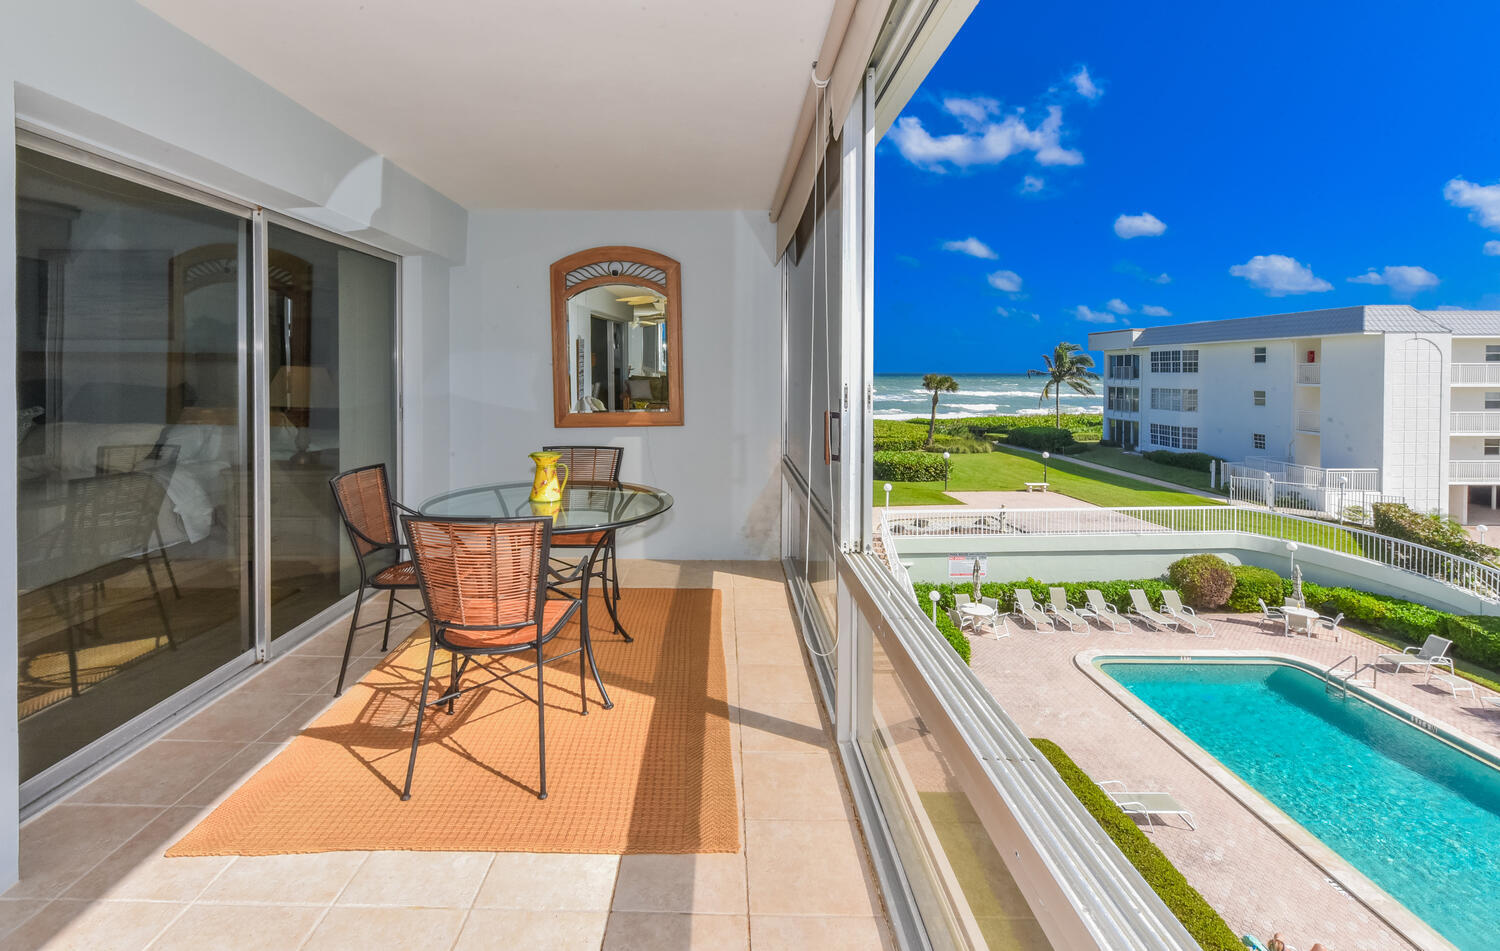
(1126, 462)
(1009, 469)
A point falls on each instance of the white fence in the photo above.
(1367, 480)
(1479, 579)
(893, 559)
(1476, 372)
(1304, 497)
(1475, 421)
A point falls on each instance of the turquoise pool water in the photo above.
(1418, 817)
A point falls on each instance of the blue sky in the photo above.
(1265, 159)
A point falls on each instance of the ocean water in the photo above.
(1415, 815)
(900, 396)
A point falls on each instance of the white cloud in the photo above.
(1143, 225)
(1279, 275)
(1162, 278)
(1008, 281)
(1483, 201)
(1084, 84)
(984, 141)
(1031, 184)
(1088, 315)
(971, 246)
(1007, 312)
(1492, 247)
(1403, 280)
(1117, 305)
(1155, 310)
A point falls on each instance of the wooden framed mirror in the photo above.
(617, 338)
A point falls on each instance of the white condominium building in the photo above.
(1413, 394)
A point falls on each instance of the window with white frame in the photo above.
(1258, 355)
(1174, 400)
(1125, 366)
(1174, 437)
(1492, 353)
(1260, 397)
(1492, 400)
(1123, 399)
(1174, 361)
(1492, 447)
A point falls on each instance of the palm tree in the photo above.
(937, 383)
(1067, 366)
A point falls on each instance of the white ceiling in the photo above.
(633, 104)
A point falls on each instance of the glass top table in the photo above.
(585, 506)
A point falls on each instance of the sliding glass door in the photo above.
(137, 453)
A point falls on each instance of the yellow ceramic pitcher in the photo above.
(546, 488)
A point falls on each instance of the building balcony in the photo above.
(1477, 471)
(1308, 422)
(1309, 374)
(1475, 423)
(1475, 374)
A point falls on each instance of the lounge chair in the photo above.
(1173, 607)
(1058, 605)
(1106, 613)
(1432, 653)
(1274, 615)
(1148, 804)
(1026, 609)
(1141, 608)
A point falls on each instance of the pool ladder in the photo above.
(1338, 678)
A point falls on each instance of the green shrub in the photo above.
(895, 436)
(1251, 585)
(1395, 520)
(909, 466)
(956, 444)
(1041, 438)
(1204, 581)
(1082, 425)
(1475, 638)
(1185, 902)
(1197, 461)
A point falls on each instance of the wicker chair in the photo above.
(485, 583)
(364, 500)
(160, 459)
(597, 465)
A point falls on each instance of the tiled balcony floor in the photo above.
(93, 875)
(1258, 881)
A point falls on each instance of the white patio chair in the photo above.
(1106, 613)
(1148, 804)
(1140, 607)
(1057, 603)
(1027, 609)
(1173, 607)
(1331, 624)
(964, 623)
(1273, 615)
(961, 599)
(995, 624)
(1432, 653)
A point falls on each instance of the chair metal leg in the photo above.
(390, 605)
(167, 562)
(541, 721)
(359, 600)
(454, 672)
(614, 568)
(161, 606)
(583, 658)
(416, 737)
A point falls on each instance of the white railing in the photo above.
(893, 558)
(1307, 422)
(1475, 422)
(1309, 372)
(1476, 373)
(1479, 579)
(1474, 470)
(1305, 497)
(1259, 467)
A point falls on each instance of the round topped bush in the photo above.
(1204, 581)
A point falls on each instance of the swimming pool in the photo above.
(1418, 817)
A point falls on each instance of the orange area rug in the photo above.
(654, 774)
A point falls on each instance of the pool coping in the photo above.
(1338, 869)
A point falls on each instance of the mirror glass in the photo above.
(618, 348)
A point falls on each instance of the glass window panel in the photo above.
(330, 357)
(133, 520)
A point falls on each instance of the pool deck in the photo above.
(1253, 876)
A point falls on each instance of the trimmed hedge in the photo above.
(956, 639)
(1197, 461)
(1204, 581)
(1048, 438)
(1088, 425)
(909, 466)
(957, 444)
(1395, 520)
(894, 436)
(1190, 907)
(1251, 585)
(1476, 638)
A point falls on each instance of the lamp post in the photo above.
(933, 596)
(1045, 457)
(1291, 548)
(887, 495)
(945, 472)
(1484, 531)
(1343, 481)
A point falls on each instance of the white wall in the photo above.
(111, 75)
(1352, 399)
(721, 465)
